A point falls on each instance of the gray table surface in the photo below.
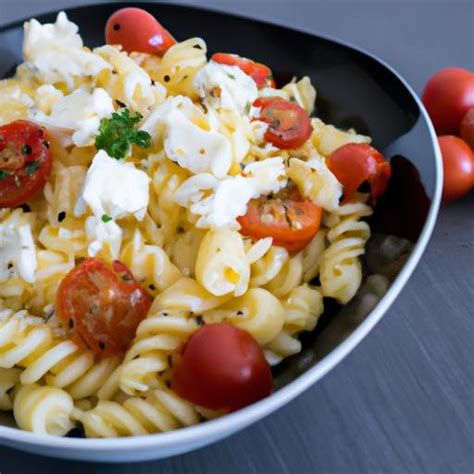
(403, 401)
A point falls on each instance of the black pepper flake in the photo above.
(200, 321)
(116, 27)
(71, 323)
(10, 266)
(102, 345)
(153, 82)
(61, 216)
(152, 287)
(120, 103)
(164, 313)
(25, 208)
(197, 46)
(240, 313)
(167, 78)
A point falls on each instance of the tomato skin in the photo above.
(270, 218)
(467, 128)
(25, 162)
(288, 124)
(221, 367)
(100, 306)
(457, 167)
(447, 96)
(136, 30)
(261, 74)
(355, 163)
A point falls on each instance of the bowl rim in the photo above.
(248, 415)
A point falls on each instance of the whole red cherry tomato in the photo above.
(355, 163)
(288, 124)
(448, 95)
(221, 367)
(25, 162)
(467, 128)
(136, 30)
(457, 167)
(101, 306)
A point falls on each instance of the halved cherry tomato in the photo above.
(355, 163)
(25, 162)
(448, 95)
(288, 124)
(101, 306)
(136, 30)
(457, 167)
(467, 128)
(221, 367)
(291, 221)
(261, 74)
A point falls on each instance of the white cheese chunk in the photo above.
(227, 87)
(55, 53)
(17, 249)
(218, 203)
(103, 234)
(196, 149)
(114, 188)
(79, 113)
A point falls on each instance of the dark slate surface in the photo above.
(403, 401)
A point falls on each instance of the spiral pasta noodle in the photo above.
(157, 337)
(8, 379)
(31, 344)
(161, 410)
(43, 410)
(340, 271)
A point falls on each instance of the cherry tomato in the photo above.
(457, 167)
(467, 128)
(261, 74)
(101, 306)
(288, 124)
(448, 95)
(355, 163)
(136, 30)
(25, 162)
(221, 367)
(291, 221)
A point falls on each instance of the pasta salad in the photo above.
(169, 224)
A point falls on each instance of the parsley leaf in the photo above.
(4, 174)
(32, 167)
(117, 133)
(106, 218)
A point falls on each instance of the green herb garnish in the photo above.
(4, 174)
(118, 133)
(105, 218)
(32, 167)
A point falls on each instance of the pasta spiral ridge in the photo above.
(161, 410)
(157, 337)
(30, 343)
(341, 271)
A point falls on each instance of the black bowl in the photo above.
(355, 89)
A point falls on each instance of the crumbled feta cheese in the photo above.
(80, 113)
(196, 149)
(218, 203)
(227, 87)
(55, 52)
(155, 122)
(114, 188)
(17, 249)
(46, 97)
(101, 234)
